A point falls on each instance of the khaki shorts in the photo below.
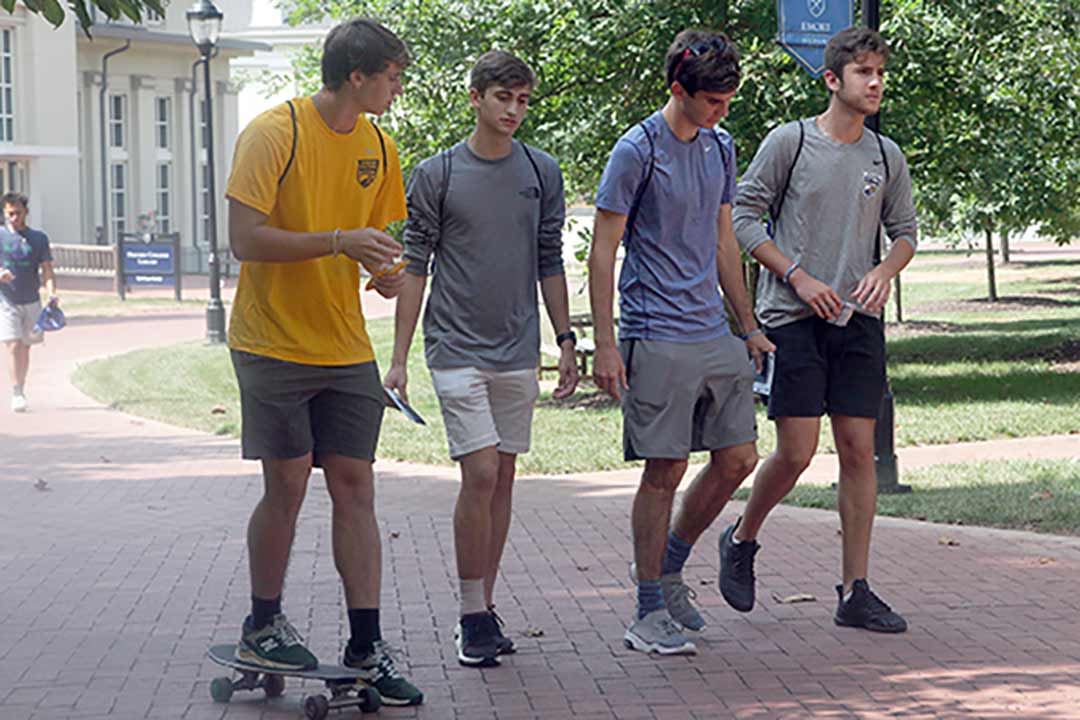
(289, 410)
(17, 322)
(482, 407)
(686, 397)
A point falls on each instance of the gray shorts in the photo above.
(686, 397)
(289, 409)
(17, 322)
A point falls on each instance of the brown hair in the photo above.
(15, 198)
(848, 45)
(360, 44)
(498, 67)
(703, 60)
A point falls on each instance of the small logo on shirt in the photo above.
(366, 172)
(872, 183)
(530, 193)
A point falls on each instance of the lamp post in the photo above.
(204, 23)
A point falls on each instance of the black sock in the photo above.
(263, 611)
(364, 629)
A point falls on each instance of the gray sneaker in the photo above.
(658, 633)
(677, 597)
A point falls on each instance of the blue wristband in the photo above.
(752, 333)
(787, 275)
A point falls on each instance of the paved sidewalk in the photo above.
(117, 575)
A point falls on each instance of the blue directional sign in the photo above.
(807, 25)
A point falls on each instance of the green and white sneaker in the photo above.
(377, 670)
(278, 645)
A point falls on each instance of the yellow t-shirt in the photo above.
(309, 312)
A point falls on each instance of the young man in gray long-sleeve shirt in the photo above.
(829, 185)
(491, 211)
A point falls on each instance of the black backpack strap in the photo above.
(536, 169)
(382, 145)
(885, 162)
(292, 153)
(635, 204)
(447, 156)
(775, 211)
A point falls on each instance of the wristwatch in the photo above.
(563, 337)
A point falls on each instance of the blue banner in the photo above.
(140, 258)
(806, 25)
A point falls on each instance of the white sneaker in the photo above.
(18, 403)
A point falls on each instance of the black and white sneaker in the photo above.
(475, 637)
(866, 610)
(503, 644)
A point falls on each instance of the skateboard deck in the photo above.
(344, 688)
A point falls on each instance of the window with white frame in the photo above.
(163, 123)
(163, 192)
(118, 173)
(7, 85)
(118, 121)
(13, 176)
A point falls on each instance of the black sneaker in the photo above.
(866, 610)
(475, 637)
(737, 569)
(503, 644)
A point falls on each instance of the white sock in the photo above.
(472, 596)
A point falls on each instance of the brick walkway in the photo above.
(116, 577)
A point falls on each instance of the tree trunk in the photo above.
(1004, 246)
(990, 261)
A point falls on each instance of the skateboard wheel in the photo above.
(370, 700)
(221, 689)
(316, 707)
(273, 685)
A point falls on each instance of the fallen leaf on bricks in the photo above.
(105, 459)
(218, 410)
(583, 568)
(41, 484)
(947, 541)
(394, 534)
(1042, 495)
(534, 632)
(792, 599)
(1046, 560)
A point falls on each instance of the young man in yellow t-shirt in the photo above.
(313, 186)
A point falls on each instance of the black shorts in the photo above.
(288, 409)
(821, 368)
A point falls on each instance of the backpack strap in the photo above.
(885, 162)
(292, 153)
(382, 145)
(635, 204)
(536, 169)
(447, 156)
(774, 212)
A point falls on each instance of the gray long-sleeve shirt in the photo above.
(498, 233)
(837, 196)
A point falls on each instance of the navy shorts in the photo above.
(822, 368)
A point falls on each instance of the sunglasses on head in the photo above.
(697, 50)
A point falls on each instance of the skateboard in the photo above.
(344, 688)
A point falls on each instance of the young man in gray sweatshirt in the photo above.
(829, 184)
(490, 210)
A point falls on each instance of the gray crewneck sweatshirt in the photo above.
(499, 235)
(837, 195)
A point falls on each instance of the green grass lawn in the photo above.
(1043, 496)
(961, 370)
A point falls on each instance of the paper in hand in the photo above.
(395, 400)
